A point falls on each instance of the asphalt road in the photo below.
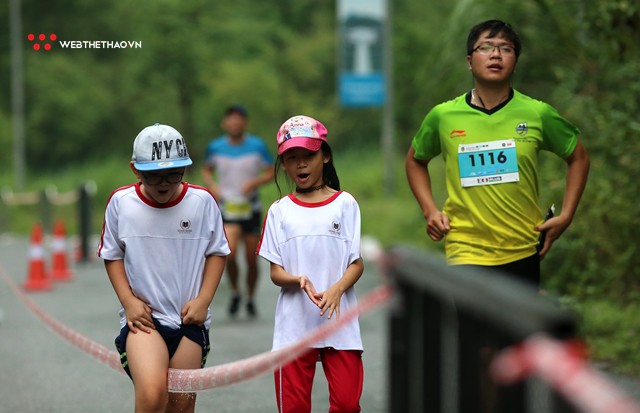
(40, 372)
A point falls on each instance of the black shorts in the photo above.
(171, 336)
(252, 225)
(526, 269)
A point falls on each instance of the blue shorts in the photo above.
(171, 336)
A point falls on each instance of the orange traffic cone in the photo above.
(59, 268)
(37, 278)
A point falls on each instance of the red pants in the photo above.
(343, 370)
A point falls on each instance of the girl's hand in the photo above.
(307, 286)
(138, 314)
(194, 312)
(330, 301)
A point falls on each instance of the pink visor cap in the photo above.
(301, 132)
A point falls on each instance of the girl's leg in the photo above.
(148, 359)
(345, 375)
(187, 356)
(294, 382)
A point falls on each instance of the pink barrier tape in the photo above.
(216, 376)
(109, 357)
(566, 371)
(96, 350)
(222, 375)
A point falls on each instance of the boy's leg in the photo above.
(187, 356)
(345, 375)
(148, 359)
(294, 382)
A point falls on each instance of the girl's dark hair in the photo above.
(329, 174)
(494, 27)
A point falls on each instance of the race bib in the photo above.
(236, 209)
(488, 163)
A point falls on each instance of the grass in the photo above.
(612, 332)
(392, 217)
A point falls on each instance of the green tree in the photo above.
(278, 58)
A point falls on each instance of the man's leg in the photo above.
(233, 232)
(251, 244)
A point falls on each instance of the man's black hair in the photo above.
(237, 108)
(494, 27)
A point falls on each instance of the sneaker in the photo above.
(234, 304)
(251, 309)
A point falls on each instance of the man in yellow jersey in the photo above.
(490, 138)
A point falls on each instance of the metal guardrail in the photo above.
(49, 198)
(446, 325)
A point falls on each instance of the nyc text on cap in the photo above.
(302, 132)
(159, 147)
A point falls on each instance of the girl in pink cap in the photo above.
(311, 237)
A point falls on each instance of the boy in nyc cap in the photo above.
(159, 147)
(164, 250)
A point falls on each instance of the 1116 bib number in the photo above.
(493, 158)
(487, 163)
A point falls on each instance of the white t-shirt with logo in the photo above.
(163, 246)
(318, 240)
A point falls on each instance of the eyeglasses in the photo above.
(488, 48)
(171, 178)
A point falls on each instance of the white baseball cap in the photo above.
(159, 147)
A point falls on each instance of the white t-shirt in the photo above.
(318, 240)
(163, 246)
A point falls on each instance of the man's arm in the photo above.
(264, 178)
(420, 184)
(577, 172)
(207, 176)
